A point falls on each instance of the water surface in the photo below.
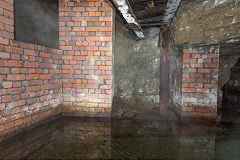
(77, 138)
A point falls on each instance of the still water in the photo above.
(76, 138)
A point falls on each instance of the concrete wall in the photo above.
(36, 22)
(206, 22)
(136, 72)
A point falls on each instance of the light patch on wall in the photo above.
(219, 2)
(139, 34)
(208, 99)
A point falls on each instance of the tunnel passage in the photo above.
(231, 90)
(229, 82)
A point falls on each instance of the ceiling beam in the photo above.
(125, 9)
(171, 9)
(151, 19)
(151, 24)
(150, 12)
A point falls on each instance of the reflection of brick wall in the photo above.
(63, 138)
(30, 77)
(78, 139)
(31, 141)
(35, 80)
(86, 39)
(199, 82)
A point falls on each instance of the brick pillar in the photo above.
(86, 39)
(199, 82)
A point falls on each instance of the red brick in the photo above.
(91, 8)
(204, 70)
(105, 67)
(9, 28)
(44, 54)
(3, 91)
(188, 90)
(9, 125)
(211, 65)
(203, 80)
(18, 103)
(10, 63)
(45, 65)
(16, 84)
(4, 70)
(31, 64)
(14, 77)
(6, 98)
(19, 122)
(4, 41)
(213, 56)
(188, 79)
(6, 20)
(196, 65)
(15, 90)
(7, 84)
(196, 75)
(189, 51)
(6, 5)
(2, 106)
(211, 85)
(79, 9)
(33, 88)
(30, 52)
(4, 55)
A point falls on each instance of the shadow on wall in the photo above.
(229, 82)
(136, 72)
(36, 21)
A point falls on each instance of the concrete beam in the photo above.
(171, 10)
(124, 7)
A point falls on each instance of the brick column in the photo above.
(86, 39)
(199, 82)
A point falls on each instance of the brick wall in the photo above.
(30, 77)
(198, 82)
(36, 80)
(86, 40)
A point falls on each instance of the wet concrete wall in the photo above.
(175, 81)
(206, 21)
(36, 21)
(136, 72)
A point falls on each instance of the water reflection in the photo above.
(75, 138)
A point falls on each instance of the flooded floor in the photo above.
(77, 138)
